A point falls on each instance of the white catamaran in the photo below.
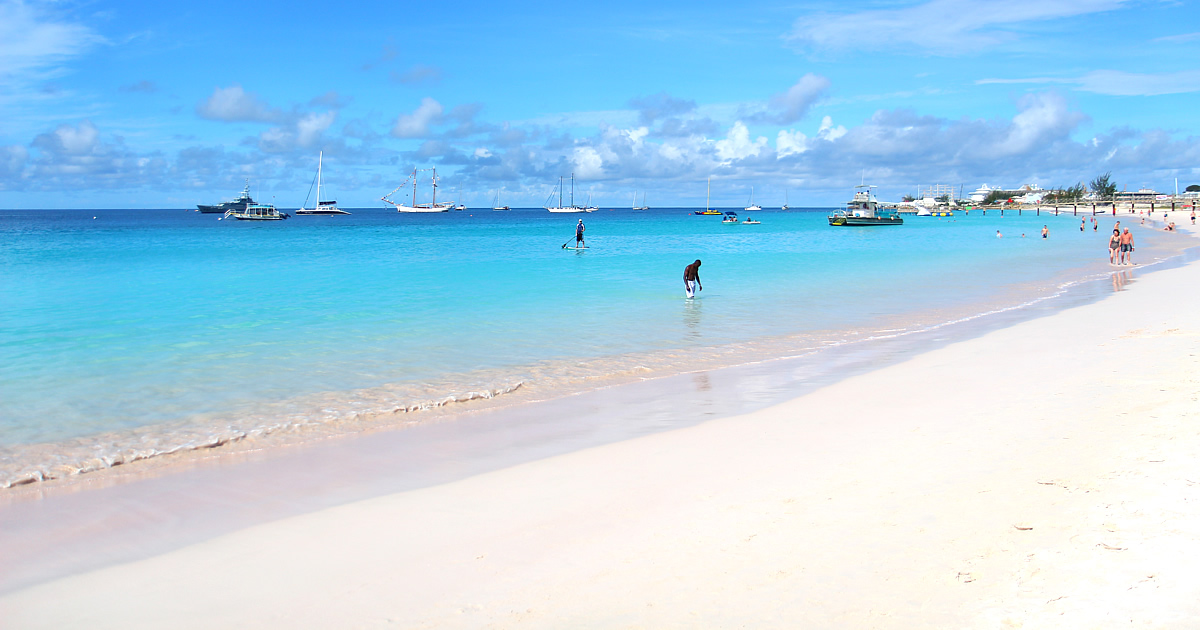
(432, 206)
(496, 204)
(323, 207)
(752, 205)
(641, 207)
(571, 208)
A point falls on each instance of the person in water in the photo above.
(1045, 231)
(579, 228)
(691, 279)
(1126, 248)
(1114, 246)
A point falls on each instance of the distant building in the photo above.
(1145, 195)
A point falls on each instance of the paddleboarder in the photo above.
(579, 235)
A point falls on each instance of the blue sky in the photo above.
(133, 104)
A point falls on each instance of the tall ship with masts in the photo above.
(413, 206)
(240, 203)
(571, 208)
(323, 207)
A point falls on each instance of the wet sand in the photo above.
(1041, 475)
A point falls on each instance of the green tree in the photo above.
(1193, 188)
(1104, 187)
(911, 198)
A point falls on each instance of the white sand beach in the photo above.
(1040, 476)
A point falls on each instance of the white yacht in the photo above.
(752, 205)
(323, 207)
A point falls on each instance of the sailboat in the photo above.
(496, 204)
(641, 207)
(323, 207)
(785, 205)
(571, 208)
(707, 196)
(432, 206)
(752, 206)
(460, 207)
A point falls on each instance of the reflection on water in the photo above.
(1119, 280)
(692, 312)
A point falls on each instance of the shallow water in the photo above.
(154, 330)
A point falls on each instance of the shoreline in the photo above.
(1035, 474)
(380, 409)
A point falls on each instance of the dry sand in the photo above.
(1042, 476)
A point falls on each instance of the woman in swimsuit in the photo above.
(1114, 244)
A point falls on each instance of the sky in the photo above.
(167, 105)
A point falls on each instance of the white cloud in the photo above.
(790, 143)
(12, 161)
(482, 152)
(416, 124)
(828, 132)
(737, 144)
(32, 41)
(233, 104)
(67, 140)
(793, 104)
(1119, 83)
(1043, 118)
(587, 163)
(310, 127)
(940, 26)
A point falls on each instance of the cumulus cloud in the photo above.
(67, 140)
(417, 124)
(938, 26)
(737, 144)
(1043, 118)
(233, 104)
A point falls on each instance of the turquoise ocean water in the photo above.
(156, 329)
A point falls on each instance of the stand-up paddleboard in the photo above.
(565, 247)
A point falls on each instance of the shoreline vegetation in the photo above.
(1044, 480)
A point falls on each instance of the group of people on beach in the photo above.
(1120, 246)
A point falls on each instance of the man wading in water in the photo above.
(691, 279)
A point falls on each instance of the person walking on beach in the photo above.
(1114, 246)
(579, 228)
(1045, 231)
(691, 279)
(1126, 248)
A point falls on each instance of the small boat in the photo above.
(560, 208)
(459, 206)
(730, 217)
(496, 204)
(864, 210)
(432, 206)
(707, 196)
(323, 207)
(752, 205)
(785, 205)
(749, 221)
(241, 202)
(257, 212)
(641, 207)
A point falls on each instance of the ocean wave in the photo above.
(31, 463)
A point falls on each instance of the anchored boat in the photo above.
(323, 207)
(432, 206)
(864, 210)
(707, 196)
(241, 202)
(257, 212)
(571, 208)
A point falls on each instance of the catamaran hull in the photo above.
(570, 210)
(302, 211)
